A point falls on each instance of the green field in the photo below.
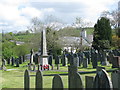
(15, 78)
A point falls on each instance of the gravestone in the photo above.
(104, 59)
(12, 61)
(89, 82)
(116, 79)
(36, 59)
(68, 58)
(71, 59)
(31, 56)
(39, 80)
(64, 61)
(71, 75)
(57, 83)
(102, 80)
(78, 81)
(87, 55)
(116, 62)
(76, 60)
(57, 62)
(17, 62)
(111, 57)
(20, 60)
(94, 60)
(23, 57)
(3, 61)
(81, 54)
(50, 59)
(26, 80)
(85, 63)
(8, 61)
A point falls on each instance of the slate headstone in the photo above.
(3, 61)
(12, 61)
(20, 60)
(50, 58)
(8, 61)
(17, 62)
(26, 80)
(102, 80)
(89, 82)
(116, 79)
(78, 81)
(57, 83)
(76, 60)
(72, 70)
(116, 62)
(85, 63)
(39, 80)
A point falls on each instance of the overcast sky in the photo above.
(15, 15)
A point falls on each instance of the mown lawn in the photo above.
(15, 78)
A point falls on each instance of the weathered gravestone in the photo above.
(78, 81)
(50, 58)
(94, 59)
(3, 61)
(20, 60)
(102, 80)
(64, 60)
(12, 61)
(85, 63)
(80, 55)
(87, 55)
(89, 82)
(104, 59)
(17, 62)
(57, 62)
(110, 57)
(74, 78)
(31, 56)
(39, 81)
(57, 83)
(71, 58)
(116, 62)
(116, 79)
(3, 65)
(76, 60)
(23, 57)
(8, 61)
(35, 59)
(26, 80)
(71, 73)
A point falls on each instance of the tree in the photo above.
(53, 44)
(102, 36)
(50, 24)
(114, 17)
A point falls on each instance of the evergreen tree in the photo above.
(102, 36)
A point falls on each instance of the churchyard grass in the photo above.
(15, 78)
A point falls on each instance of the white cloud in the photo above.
(18, 13)
(31, 12)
